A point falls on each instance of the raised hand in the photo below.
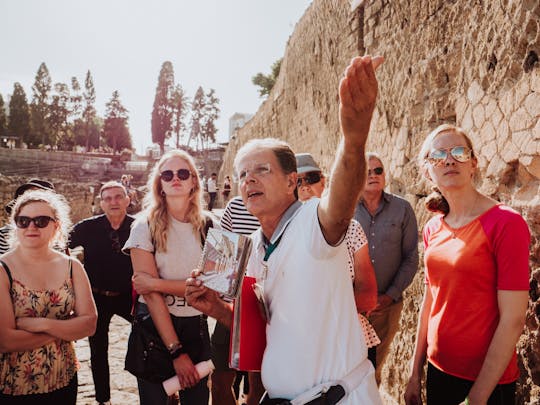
(358, 93)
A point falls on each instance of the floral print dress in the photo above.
(48, 367)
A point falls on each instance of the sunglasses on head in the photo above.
(255, 169)
(41, 222)
(378, 171)
(461, 154)
(309, 178)
(168, 175)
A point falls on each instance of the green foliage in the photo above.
(197, 114)
(75, 100)
(40, 107)
(266, 82)
(89, 111)
(211, 114)
(19, 115)
(179, 107)
(3, 119)
(59, 113)
(87, 133)
(161, 112)
(115, 130)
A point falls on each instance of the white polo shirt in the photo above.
(314, 335)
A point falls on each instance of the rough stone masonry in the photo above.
(474, 63)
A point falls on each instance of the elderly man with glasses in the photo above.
(314, 343)
(390, 225)
(109, 271)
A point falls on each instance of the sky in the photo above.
(219, 44)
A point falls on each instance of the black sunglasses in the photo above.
(41, 222)
(168, 175)
(309, 178)
(378, 171)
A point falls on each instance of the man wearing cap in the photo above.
(390, 224)
(32, 184)
(109, 271)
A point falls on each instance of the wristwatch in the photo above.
(175, 350)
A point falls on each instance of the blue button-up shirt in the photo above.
(392, 234)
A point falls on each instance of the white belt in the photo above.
(349, 383)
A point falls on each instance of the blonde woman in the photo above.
(477, 283)
(165, 245)
(45, 304)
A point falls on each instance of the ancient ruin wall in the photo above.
(474, 63)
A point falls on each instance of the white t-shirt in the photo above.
(314, 335)
(182, 256)
(211, 184)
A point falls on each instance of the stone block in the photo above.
(467, 121)
(506, 103)
(509, 152)
(532, 165)
(489, 149)
(478, 115)
(495, 167)
(475, 92)
(520, 120)
(532, 104)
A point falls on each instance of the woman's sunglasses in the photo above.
(461, 154)
(309, 178)
(41, 222)
(168, 175)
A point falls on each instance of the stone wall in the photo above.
(473, 63)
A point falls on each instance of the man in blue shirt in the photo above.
(390, 225)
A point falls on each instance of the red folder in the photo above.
(248, 332)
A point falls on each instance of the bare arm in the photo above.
(144, 283)
(512, 310)
(365, 283)
(11, 338)
(413, 391)
(357, 93)
(144, 263)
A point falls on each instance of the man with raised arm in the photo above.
(315, 347)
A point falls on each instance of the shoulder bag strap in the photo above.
(8, 272)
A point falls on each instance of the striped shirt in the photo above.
(237, 219)
(4, 233)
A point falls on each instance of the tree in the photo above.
(58, 117)
(89, 111)
(197, 116)
(3, 119)
(179, 109)
(88, 133)
(161, 112)
(115, 130)
(211, 114)
(75, 100)
(19, 115)
(40, 106)
(266, 82)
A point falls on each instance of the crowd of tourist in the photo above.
(332, 255)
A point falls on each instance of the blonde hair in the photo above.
(59, 207)
(436, 202)
(155, 205)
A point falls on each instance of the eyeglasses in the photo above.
(308, 179)
(461, 154)
(168, 175)
(41, 222)
(377, 171)
(259, 169)
(115, 241)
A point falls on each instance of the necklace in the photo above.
(466, 219)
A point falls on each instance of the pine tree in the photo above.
(115, 129)
(89, 111)
(40, 106)
(161, 113)
(197, 119)
(75, 100)
(211, 114)
(3, 119)
(58, 117)
(19, 115)
(179, 109)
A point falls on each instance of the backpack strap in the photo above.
(8, 272)
(70, 269)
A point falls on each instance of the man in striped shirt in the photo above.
(237, 219)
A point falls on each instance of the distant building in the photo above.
(238, 120)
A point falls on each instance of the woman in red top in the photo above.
(477, 282)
